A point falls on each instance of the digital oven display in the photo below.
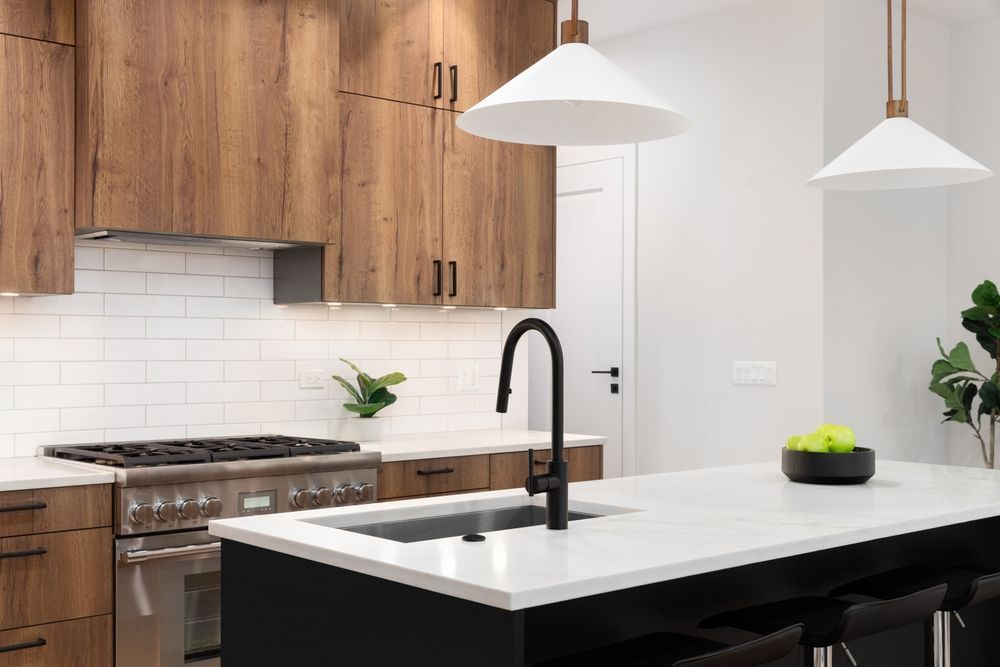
(257, 502)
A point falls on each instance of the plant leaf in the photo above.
(383, 396)
(365, 410)
(961, 358)
(986, 294)
(968, 395)
(387, 381)
(944, 355)
(350, 388)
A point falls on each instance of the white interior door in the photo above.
(595, 232)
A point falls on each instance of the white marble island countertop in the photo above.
(470, 443)
(681, 524)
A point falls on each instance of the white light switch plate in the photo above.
(312, 379)
(755, 372)
(468, 377)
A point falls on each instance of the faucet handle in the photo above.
(529, 484)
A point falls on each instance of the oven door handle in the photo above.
(143, 555)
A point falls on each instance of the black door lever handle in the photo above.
(613, 372)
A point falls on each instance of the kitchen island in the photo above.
(670, 549)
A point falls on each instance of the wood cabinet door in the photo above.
(52, 577)
(55, 509)
(510, 470)
(48, 20)
(36, 166)
(427, 477)
(209, 118)
(585, 463)
(392, 49)
(389, 250)
(489, 42)
(499, 222)
(85, 642)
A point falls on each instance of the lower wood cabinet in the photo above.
(464, 474)
(50, 510)
(84, 642)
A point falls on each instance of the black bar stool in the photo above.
(827, 621)
(965, 587)
(666, 649)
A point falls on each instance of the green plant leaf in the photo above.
(350, 388)
(387, 381)
(968, 395)
(989, 395)
(986, 294)
(961, 358)
(365, 410)
(383, 396)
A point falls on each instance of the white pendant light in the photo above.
(574, 96)
(898, 153)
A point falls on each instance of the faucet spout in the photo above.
(555, 484)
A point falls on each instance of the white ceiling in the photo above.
(613, 18)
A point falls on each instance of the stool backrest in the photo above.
(759, 651)
(869, 618)
(984, 588)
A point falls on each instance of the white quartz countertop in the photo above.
(468, 443)
(30, 472)
(686, 523)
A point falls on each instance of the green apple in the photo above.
(814, 442)
(841, 439)
(793, 442)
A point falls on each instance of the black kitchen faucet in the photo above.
(555, 483)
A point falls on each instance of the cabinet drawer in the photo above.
(508, 471)
(433, 476)
(86, 642)
(54, 577)
(52, 510)
(585, 463)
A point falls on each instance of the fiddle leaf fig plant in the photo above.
(955, 378)
(371, 394)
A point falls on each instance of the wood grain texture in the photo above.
(391, 229)
(73, 579)
(85, 642)
(401, 479)
(585, 463)
(50, 20)
(216, 118)
(492, 41)
(499, 221)
(36, 167)
(390, 48)
(66, 508)
(508, 471)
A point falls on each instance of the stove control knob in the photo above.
(211, 507)
(301, 497)
(167, 512)
(189, 509)
(344, 493)
(365, 492)
(322, 496)
(141, 513)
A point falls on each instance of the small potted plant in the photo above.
(955, 378)
(370, 396)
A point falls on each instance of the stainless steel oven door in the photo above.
(167, 600)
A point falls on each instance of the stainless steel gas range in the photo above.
(167, 567)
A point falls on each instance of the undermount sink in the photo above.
(452, 525)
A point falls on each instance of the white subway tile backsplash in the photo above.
(184, 341)
(154, 393)
(146, 261)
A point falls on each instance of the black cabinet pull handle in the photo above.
(453, 70)
(613, 372)
(453, 267)
(24, 507)
(437, 81)
(436, 471)
(437, 278)
(19, 647)
(24, 554)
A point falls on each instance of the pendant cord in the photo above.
(576, 17)
(903, 58)
(888, 4)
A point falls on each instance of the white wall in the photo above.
(730, 241)
(184, 342)
(885, 253)
(974, 209)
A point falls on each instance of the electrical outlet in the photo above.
(312, 379)
(755, 372)
(468, 377)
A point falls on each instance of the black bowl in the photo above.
(856, 467)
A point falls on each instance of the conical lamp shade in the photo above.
(574, 96)
(899, 154)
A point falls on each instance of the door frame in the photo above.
(629, 155)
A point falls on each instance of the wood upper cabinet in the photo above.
(47, 20)
(36, 165)
(499, 222)
(209, 118)
(489, 42)
(392, 49)
(390, 243)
